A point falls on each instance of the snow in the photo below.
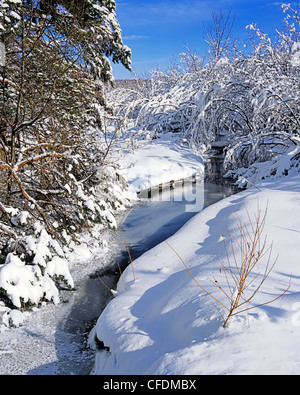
(24, 283)
(36, 342)
(296, 55)
(23, 217)
(279, 166)
(164, 324)
(59, 267)
(157, 162)
(14, 318)
(29, 284)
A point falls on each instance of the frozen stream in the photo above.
(53, 340)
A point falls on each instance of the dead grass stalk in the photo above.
(247, 271)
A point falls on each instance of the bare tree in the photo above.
(218, 33)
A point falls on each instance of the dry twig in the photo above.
(126, 245)
(243, 272)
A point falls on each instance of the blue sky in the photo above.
(158, 30)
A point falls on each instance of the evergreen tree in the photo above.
(57, 59)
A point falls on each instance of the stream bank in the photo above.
(149, 222)
(54, 341)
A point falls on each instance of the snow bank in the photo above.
(283, 164)
(39, 265)
(160, 161)
(165, 324)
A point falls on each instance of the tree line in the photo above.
(247, 95)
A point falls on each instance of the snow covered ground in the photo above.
(38, 345)
(41, 345)
(157, 162)
(163, 323)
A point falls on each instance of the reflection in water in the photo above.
(159, 217)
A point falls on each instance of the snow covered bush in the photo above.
(249, 98)
(9, 18)
(20, 282)
(279, 166)
(38, 256)
(34, 270)
(25, 286)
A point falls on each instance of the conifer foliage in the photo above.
(55, 176)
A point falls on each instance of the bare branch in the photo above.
(239, 277)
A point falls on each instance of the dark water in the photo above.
(159, 217)
(156, 217)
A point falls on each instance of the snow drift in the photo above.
(164, 324)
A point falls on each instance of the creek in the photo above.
(159, 214)
(54, 340)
